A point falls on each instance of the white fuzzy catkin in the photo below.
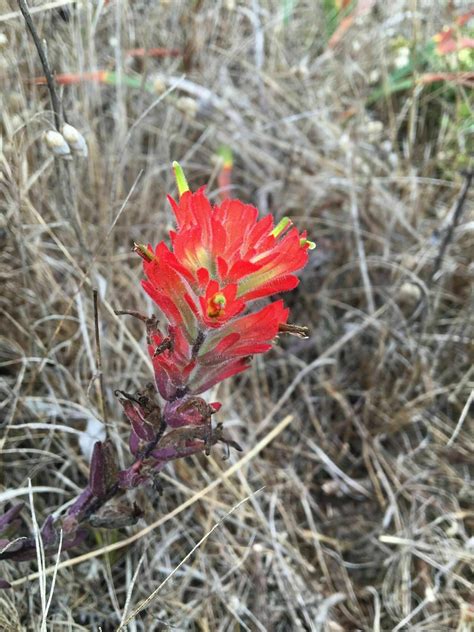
(57, 144)
(188, 106)
(75, 140)
(159, 84)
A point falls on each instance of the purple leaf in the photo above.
(111, 469)
(15, 549)
(8, 521)
(136, 416)
(134, 443)
(48, 533)
(78, 538)
(97, 475)
(191, 411)
(77, 510)
(169, 453)
(7, 547)
(130, 478)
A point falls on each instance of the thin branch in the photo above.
(55, 102)
(131, 312)
(55, 4)
(361, 251)
(468, 175)
(99, 362)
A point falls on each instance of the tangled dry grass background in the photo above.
(358, 511)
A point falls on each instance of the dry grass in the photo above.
(365, 518)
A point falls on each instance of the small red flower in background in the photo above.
(222, 258)
(451, 39)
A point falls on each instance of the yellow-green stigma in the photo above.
(310, 245)
(216, 305)
(144, 252)
(282, 225)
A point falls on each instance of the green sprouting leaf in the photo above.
(331, 17)
(389, 88)
(288, 7)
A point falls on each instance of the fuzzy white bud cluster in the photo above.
(67, 142)
(75, 140)
(56, 143)
(188, 106)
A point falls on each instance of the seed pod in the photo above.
(75, 140)
(10, 521)
(159, 84)
(188, 106)
(57, 144)
(409, 294)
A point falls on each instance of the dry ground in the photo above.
(359, 511)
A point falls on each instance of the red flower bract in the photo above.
(230, 244)
(222, 258)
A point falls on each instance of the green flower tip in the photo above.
(181, 181)
(282, 225)
(145, 253)
(225, 154)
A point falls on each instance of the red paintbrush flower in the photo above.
(230, 244)
(222, 258)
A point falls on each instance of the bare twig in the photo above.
(361, 251)
(458, 210)
(55, 102)
(44, 7)
(101, 390)
(131, 312)
(464, 414)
